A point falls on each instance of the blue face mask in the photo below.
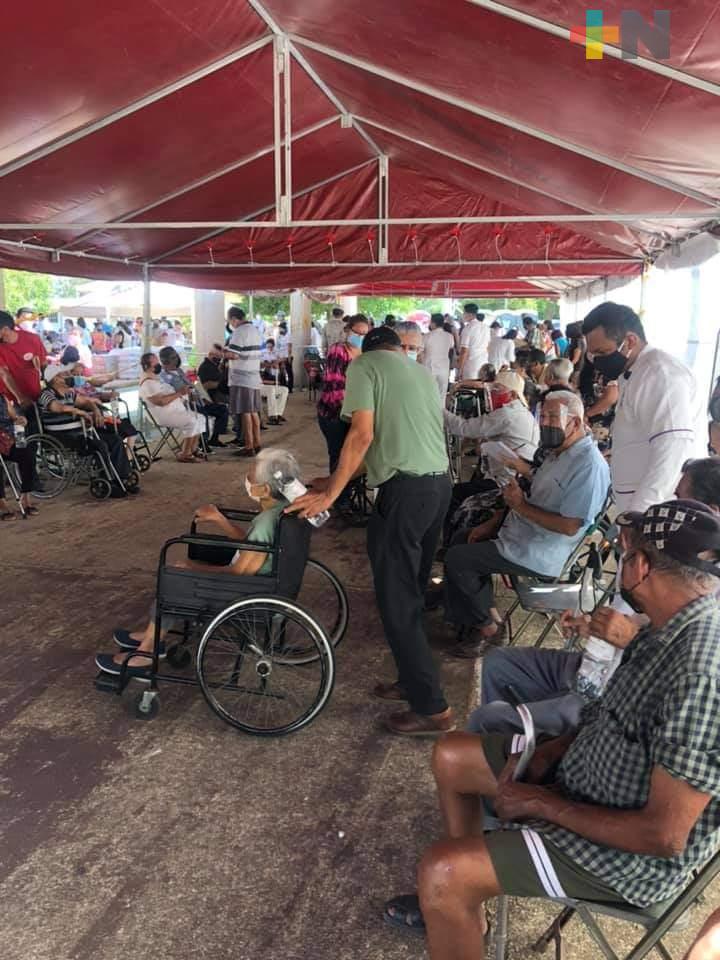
(79, 381)
(355, 340)
(412, 355)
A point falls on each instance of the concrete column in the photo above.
(300, 318)
(208, 319)
(349, 304)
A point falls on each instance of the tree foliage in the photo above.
(24, 289)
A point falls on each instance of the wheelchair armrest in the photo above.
(210, 542)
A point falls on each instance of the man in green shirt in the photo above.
(396, 431)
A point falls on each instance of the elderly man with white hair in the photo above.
(541, 530)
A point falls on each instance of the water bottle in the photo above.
(115, 408)
(292, 489)
(19, 431)
(595, 668)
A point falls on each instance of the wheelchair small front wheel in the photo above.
(100, 488)
(143, 462)
(147, 705)
(132, 481)
(249, 674)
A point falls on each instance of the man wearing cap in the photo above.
(627, 808)
(22, 358)
(396, 430)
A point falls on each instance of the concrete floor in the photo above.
(182, 838)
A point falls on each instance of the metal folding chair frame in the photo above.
(11, 477)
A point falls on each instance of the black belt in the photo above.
(416, 476)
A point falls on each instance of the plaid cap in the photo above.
(683, 529)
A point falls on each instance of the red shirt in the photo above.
(18, 359)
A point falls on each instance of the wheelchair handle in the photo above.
(529, 748)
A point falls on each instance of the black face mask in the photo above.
(70, 381)
(611, 366)
(552, 437)
(157, 368)
(630, 601)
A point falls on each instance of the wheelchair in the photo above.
(467, 402)
(11, 479)
(59, 465)
(264, 663)
(139, 452)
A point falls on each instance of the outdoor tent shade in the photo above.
(247, 145)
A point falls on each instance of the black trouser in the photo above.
(335, 431)
(287, 375)
(108, 445)
(402, 538)
(25, 460)
(468, 581)
(220, 412)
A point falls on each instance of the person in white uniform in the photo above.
(660, 420)
(473, 343)
(436, 352)
(501, 352)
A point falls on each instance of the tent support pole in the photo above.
(277, 129)
(287, 118)
(147, 320)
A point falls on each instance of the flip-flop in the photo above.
(409, 915)
(7, 516)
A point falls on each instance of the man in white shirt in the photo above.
(271, 390)
(243, 351)
(436, 352)
(501, 352)
(284, 349)
(659, 421)
(473, 343)
(334, 331)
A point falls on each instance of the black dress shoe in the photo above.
(216, 442)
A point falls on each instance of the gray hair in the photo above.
(571, 401)
(407, 326)
(274, 460)
(559, 369)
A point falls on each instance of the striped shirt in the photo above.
(244, 369)
(661, 708)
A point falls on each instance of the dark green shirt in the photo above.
(409, 436)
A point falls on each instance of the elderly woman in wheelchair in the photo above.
(248, 596)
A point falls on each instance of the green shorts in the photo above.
(525, 863)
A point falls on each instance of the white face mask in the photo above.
(249, 490)
(412, 355)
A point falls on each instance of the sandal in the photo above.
(8, 516)
(407, 915)
(183, 459)
(31, 511)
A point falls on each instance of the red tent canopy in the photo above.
(240, 144)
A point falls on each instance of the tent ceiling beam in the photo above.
(203, 181)
(131, 108)
(609, 49)
(552, 218)
(462, 104)
(407, 264)
(261, 211)
(55, 254)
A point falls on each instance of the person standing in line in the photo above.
(396, 435)
(659, 420)
(243, 352)
(285, 353)
(334, 331)
(474, 342)
(22, 358)
(438, 348)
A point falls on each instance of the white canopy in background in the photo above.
(106, 298)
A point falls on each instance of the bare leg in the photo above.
(147, 644)
(462, 776)
(707, 945)
(455, 878)
(248, 432)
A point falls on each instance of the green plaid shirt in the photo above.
(661, 707)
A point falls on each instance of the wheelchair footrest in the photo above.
(107, 682)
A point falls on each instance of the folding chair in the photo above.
(657, 920)
(8, 469)
(167, 436)
(548, 597)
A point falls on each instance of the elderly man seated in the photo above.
(624, 810)
(511, 424)
(272, 391)
(540, 531)
(546, 680)
(271, 469)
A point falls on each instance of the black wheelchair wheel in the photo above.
(143, 462)
(100, 488)
(249, 678)
(52, 466)
(132, 481)
(324, 594)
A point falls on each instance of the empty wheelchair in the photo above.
(264, 662)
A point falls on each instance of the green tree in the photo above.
(66, 287)
(265, 306)
(23, 289)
